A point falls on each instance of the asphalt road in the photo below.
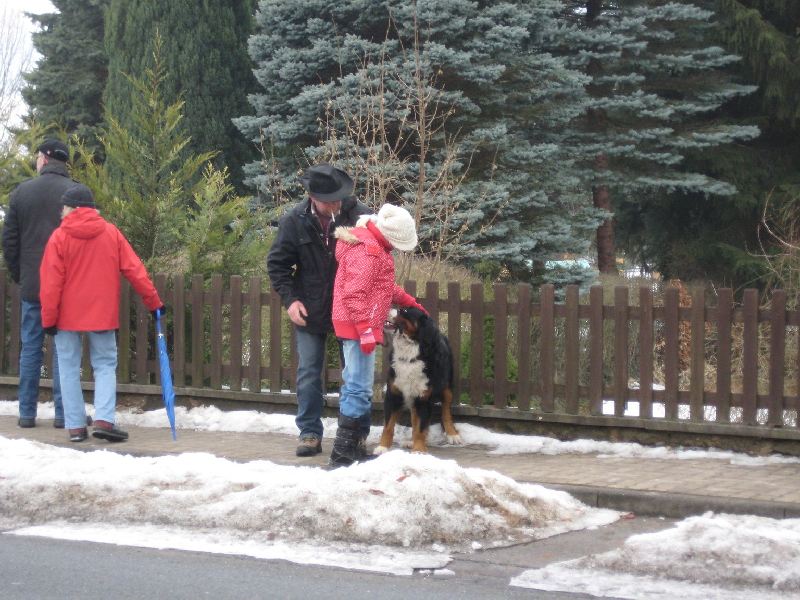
(42, 569)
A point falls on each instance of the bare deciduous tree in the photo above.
(16, 57)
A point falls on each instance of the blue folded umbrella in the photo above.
(166, 376)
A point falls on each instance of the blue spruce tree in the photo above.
(656, 82)
(452, 108)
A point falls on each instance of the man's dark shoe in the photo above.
(58, 423)
(103, 430)
(26, 422)
(78, 435)
(309, 446)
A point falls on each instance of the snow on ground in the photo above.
(398, 512)
(210, 418)
(709, 557)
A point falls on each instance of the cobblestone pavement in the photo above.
(663, 487)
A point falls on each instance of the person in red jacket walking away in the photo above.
(80, 293)
(363, 293)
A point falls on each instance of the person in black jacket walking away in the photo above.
(302, 268)
(34, 212)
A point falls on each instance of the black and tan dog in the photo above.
(420, 375)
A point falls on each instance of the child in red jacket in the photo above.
(363, 293)
(80, 293)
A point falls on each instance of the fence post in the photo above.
(198, 331)
(750, 357)
(571, 350)
(724, 320)
(216, 332)
(547, 346)
(596, 349)
(179, 329)
(645, 352)
(500, 345)
(254, 364)
(124, 346)
(476, 345)
(453, 309)
(671, 349)
(142, 344)
(524, 346)
(620, 350)
(235, 329)
(698, 364)
(777, 357)
(275, 342)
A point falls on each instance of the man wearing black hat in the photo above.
(302, 268)
(34, 212)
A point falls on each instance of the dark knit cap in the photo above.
(78, 196)
(54, 149)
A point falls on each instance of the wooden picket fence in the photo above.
(670, 361)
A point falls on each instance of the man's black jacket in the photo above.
(302, 266)
(34, 212)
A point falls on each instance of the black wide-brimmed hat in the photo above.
(326, 183)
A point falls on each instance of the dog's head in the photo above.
(415, 324)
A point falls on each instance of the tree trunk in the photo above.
(606, 250)
(601, 197)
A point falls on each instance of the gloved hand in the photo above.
(367, 341)
(159, 312)
(50, 330)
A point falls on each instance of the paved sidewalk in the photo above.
(662, 487)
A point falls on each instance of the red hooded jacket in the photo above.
(364, 289)
(80, 284)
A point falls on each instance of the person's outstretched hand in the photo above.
(367, 341)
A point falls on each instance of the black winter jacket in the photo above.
(302, 267)
(34, 212)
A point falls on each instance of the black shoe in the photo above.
(58, 423)
(26, 422)
(78, 435)
(114, 434)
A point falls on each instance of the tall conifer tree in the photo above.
(67, 84)
(448, 107)
(205, 56)
(695, 236)
(656, 79)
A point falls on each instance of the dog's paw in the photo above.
(378, 450)
(455, 440)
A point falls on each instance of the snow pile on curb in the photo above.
(730, 557)
(397, 500)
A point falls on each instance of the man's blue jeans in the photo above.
(310, 362)
(103, 354)
(30, 363)
(358, 378)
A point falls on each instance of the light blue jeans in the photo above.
(30, 363)
(103, 354)
(358, 378)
